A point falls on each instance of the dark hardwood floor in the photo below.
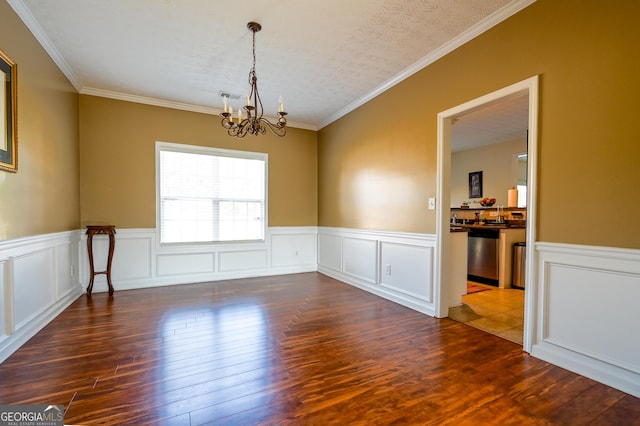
(294, 349)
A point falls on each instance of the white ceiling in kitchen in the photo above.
(501, 121)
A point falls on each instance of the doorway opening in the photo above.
(446, 246)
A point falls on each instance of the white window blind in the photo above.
(208, 195)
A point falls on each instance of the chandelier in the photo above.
(254, 123)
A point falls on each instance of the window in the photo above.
(522, 179)
(522, 195)
(210, 195)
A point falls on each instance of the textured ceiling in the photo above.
(325, 58)
(501, 121)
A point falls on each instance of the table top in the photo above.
(101, 229)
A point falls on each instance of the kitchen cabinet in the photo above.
(508, 237)
(457, 286)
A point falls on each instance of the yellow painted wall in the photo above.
(499, 171)
(43, 196)
(377, 165)
(117, 162)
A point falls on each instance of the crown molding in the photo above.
(473, 32)
(25, 14)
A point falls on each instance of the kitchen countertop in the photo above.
(460, 227)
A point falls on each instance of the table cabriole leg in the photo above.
(112, 243)
(92, 273)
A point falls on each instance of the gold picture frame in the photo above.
(8, 114)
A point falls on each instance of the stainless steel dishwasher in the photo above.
(483, 256)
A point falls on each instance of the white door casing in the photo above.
(529, 87)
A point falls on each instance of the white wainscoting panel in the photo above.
(397, 266)
(132, 246)
(34, 285)
(360, 258)
(65, 268)
(39, 280)
(185, 264)
(244, 260)
(293, 247)
(588, 315)
(407, 268)
(330, 251)
(3, 306)
(615, 299)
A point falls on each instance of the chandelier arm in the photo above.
(226, 123)
(275, 128)
(240, 130)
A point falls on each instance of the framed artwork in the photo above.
(475, 185)
(8, 111)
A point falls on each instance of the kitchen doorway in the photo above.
(442, 268)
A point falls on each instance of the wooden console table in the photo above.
(109, 230)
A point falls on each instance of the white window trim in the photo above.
(194, 149)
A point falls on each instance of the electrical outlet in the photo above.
(387, 269)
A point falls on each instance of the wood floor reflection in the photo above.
(294, 349)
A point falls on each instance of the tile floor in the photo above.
(497, 311)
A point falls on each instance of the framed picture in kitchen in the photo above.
(475, 185)
(8, 110)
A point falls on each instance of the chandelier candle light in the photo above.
(254, 123)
